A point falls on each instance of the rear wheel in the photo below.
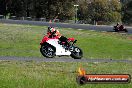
(125, 30)
(76, 53)
(47, 51)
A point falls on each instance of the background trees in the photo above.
(104, 10)
(88, 10)
(127, 13)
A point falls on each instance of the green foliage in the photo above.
(115, 5)
(42, 8)
(88, 10)
(127, 11)
(104, 10)
(113, 17)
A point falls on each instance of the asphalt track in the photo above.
(75, 26)
(64, 25)
(12, 58)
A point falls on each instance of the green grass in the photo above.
(22, 74)
(23, 40)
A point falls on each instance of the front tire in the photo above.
(76, 53)
(116, 30)
(47, 50)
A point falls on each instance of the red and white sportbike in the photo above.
(51, 47)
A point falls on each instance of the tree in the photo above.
(64, 9)
(4, 4)
(38, 8)
(115, 11)
(104, 10)
(2, 7)
(83, 9)
(127, 17)
(52, 8)
(14, 8)
(97, 9)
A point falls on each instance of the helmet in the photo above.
(51, 29)
(117, 23)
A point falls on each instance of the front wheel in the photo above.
(116, 30)
(47, 51)
(76, 53)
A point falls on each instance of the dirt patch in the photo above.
(130, 37)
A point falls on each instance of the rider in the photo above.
(52, 32)
(117, 26)
(121, 27)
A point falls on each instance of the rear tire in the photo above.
(77, 53)
(47, 50)
(125, 30)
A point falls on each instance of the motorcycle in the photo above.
(51, 47)
(121, 28)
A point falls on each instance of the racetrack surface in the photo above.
(11, 58)
(65, 25)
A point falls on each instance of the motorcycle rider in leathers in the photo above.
(52, 32)
(119, 27)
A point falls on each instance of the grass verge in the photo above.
(22, 74)
(23, 41)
